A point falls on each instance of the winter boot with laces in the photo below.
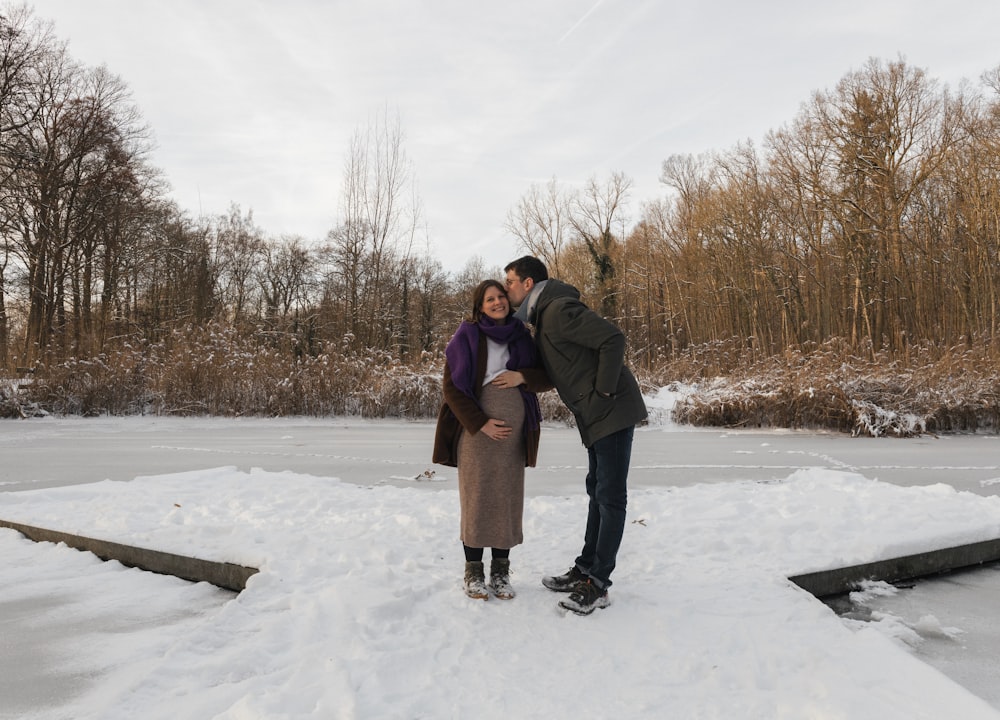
(565, 582)
(585, 598)
(500, 578)
(475, 580)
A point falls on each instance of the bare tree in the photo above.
(380, 220)
(78, 136)
(239, 250)
(172, 273)
(552, 223)
(24, 43)
(541, 223)
(891, 132)
(595, 212)
(284, 276)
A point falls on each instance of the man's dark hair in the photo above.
(528, 267)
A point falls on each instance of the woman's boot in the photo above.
(475, 580)
(500, 578)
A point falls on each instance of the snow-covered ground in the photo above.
(357, 611)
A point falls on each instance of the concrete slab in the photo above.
(221, 574)
(826, 583)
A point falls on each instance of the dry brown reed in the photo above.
(217, 371)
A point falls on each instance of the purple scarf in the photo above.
(462, 354)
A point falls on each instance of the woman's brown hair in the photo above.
(479, 294)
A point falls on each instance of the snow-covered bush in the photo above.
(13, 401)
(936, 390)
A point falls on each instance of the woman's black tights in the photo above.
(476, 554)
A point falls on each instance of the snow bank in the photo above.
(358, 613)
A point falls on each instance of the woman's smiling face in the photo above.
(495, 304)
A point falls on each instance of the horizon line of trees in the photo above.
(872, 217)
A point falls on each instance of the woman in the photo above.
(488, 427)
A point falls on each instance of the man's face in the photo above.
(516, 288)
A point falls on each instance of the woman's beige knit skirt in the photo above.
(491, 475)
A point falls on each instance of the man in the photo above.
(584, 356)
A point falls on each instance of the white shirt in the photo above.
(497, 355)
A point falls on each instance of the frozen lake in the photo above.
(54, 452)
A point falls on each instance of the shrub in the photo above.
(939, 390)
(14, 403)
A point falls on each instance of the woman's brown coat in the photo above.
(459, 411)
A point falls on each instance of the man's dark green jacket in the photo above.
(584, 355)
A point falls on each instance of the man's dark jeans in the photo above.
(607, 488)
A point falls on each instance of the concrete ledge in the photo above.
(224, 575)
(843, 580)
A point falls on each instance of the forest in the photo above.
(843, 273)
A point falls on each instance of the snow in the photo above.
(357, 611)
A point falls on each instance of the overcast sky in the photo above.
(255, 102)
